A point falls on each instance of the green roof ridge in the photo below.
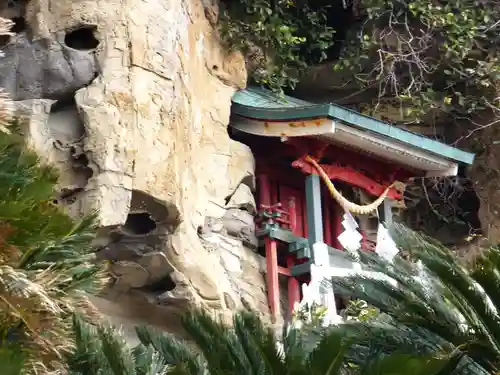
(262, 104)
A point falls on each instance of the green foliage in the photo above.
(12, 358)
(313, 314)
(46, 264)
(436, 304)
(433, 55)
(440, 55)
(246, 348)
(279, 37)
(102, 350)
(360, 310)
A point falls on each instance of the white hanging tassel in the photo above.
(350, 238)
(385, 247)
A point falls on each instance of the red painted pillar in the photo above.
(273, 293)
(264, 190)
(292, 215)
(293, 283)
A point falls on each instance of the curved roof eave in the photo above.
(261, 104)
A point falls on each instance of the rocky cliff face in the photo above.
(130, 100)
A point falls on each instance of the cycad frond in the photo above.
(486, 272)
(46, 267)
(86, 357)
(101, 349)
(173, 351)
(329, 355)
(222, 352)
(26, 190)
(118, 354)
(260, 353)
(392, 365)
(148, 361)
(25, 302)
(259, 344)
(436, 304)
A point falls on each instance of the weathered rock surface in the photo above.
(45, 68)
(131, 101)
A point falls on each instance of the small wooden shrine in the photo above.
(294, 142)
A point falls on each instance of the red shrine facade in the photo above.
(281, 189)
(362, 156)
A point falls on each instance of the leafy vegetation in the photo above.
(46, 264)
(435, 55)
(280, 38)
(436, 305)
(246, 348)
(438, 55)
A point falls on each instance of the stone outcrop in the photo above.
(237, 221)
(130, 100)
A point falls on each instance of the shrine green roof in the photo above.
(260, 104)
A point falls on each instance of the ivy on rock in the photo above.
(440, 54)
(280, 38)
(431, 54)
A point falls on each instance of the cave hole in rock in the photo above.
(62, 104)
(166, 284)
(65, 123)
(66, 130)
(19, 25)
(139, 224)
(164, 214)
(4, 40)
(82, 38)
(445, 209)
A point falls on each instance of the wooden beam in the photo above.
(264, 190)
(348, 175)
(273, 292)
(314, 214)
(284, 271)
(302, 269)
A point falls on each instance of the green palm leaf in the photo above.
(329, 355)
(171, 350)
(259, 345)
(448, 310)
(46, 264)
